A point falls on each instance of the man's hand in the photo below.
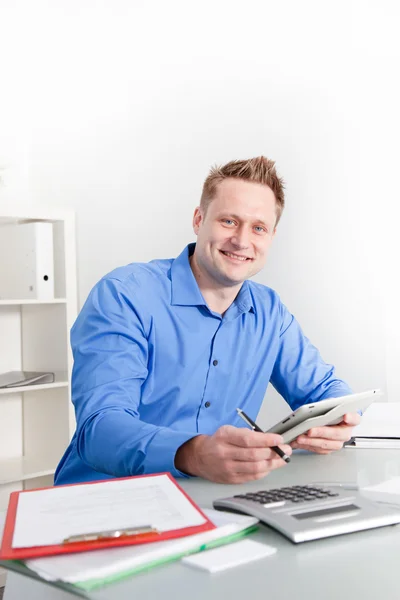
(324, 440)
(231, 455)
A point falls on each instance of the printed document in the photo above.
(47, 517)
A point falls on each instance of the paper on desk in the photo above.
(227, 557)
(101, 566)
(381, 419)
(386, 491)
(47, 517)
(378, 443)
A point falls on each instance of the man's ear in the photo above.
(198, 219)
(273, 233)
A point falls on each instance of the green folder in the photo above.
(92, 584)
(81, 588)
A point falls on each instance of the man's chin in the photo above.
(234, 275)
(232, 280)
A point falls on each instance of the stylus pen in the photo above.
(255, 427)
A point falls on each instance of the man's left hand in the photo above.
(324, 440)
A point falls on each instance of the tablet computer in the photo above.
(324, 412)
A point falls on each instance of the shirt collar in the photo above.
(186, 292)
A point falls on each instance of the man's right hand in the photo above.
(231, 455)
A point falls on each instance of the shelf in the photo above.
(61, 380)
(16, 302)
(36, 420)
(21, 469)
(18, 220)
(12, 215)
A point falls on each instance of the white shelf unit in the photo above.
(37, 421)
(18, 302)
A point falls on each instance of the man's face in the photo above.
(234, 236)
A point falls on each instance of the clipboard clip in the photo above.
(112, 534)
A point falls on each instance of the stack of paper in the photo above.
(379, 428)
(89, 570)
(229, 557)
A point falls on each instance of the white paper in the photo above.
(85, 566)
(47, 517)
(381, 419)
(227, 557)
(375, 443)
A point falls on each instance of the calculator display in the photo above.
(326, 511)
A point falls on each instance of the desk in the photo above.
(360, 566)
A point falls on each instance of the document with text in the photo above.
(48, 517)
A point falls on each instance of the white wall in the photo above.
(125, 105)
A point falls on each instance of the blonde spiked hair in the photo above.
(257, 170)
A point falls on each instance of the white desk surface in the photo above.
(359, 566)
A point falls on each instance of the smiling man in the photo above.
(164, 352)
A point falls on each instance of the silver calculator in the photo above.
(310, 512)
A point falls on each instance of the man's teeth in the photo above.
(243, 258)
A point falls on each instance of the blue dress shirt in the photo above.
(154, 366)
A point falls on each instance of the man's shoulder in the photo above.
(268, 305)
(262, 293)
(141, 273)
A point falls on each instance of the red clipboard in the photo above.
(7, 552)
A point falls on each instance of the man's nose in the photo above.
(241, 238)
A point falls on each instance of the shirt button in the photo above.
(215, 362)
(207, 404)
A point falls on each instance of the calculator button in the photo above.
(295, 493)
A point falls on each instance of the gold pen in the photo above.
(111, 534)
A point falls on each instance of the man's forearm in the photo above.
(117, 443)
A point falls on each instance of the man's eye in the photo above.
(260, 229)
(228, 221)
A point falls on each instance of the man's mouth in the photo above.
(233, 256)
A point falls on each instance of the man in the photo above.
(166, 351)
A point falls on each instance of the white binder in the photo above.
(26, 261)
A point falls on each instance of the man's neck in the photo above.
(218, 299)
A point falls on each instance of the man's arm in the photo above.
(110, 350)
(301, 376)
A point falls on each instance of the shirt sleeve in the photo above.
(110, 351)
(300, 375)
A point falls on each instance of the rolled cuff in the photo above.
(160, 455)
